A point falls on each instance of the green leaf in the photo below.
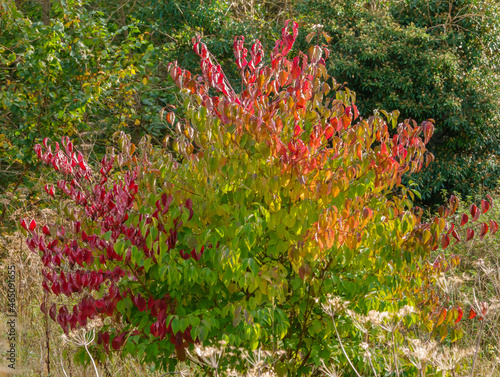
(107, 235)
(147, 264)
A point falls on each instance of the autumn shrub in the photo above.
(263, 206)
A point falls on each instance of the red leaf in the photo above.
(32, 225)
(451, 229)
(474, 211)
(184, 255)
(460, 315)
(140, 303)
(56, 288)
(297, 130)
(38, 150)
(155, 329)
(485, 206)
(472, 313)
(465, 218)
(53, 311)
(383, 149)
(23, 224)
(336, 124)
(117, 342)
(105, 338)
(428, 131)
(455, 235)
(445, 241)
(493, 227)
(49, 189)
(484, 230)
(45, 286)
(367, 213)
(355, 110)
(470, 234)
(46, 230)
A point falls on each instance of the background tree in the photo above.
(427, 59)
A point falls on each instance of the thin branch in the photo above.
(343, 350)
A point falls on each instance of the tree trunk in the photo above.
(46, 12)
(123, 18)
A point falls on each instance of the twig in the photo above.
(62, 365)
(91, 358)
(343, 350)
(477, 347)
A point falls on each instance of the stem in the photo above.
(493, 369)
(477, 348)
(394, 351)
(371, 364)
(343, 350)
(47, 332)
(304, 326)
(92, 359)
(134, 272)
(62, 366)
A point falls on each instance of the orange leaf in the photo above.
(170, 117)
(328, 132)
(472, 313)
(442, 317)
(460, 315)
